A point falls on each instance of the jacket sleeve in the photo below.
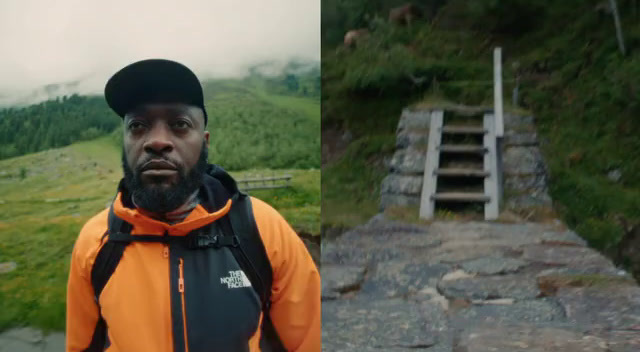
(82, 310)
(295, 292)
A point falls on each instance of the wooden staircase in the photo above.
(488, 170)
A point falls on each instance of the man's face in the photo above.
(164, 154)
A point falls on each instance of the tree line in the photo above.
(54, 123)
(249, 129)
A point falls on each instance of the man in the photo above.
(181, 260)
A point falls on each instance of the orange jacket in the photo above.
(136, 301)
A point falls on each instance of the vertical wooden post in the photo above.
(516, 90)
(492, 210)
(491, 187)
(497, 91)
(429, 178)
(616, 21)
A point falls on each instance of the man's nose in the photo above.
(158, 140)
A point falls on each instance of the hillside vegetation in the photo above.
(278, 114)
(573, 79)
(252, 128)
(54, 123)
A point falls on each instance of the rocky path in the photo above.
(30, 340)
(471, 287)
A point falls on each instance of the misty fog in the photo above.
(73, 46)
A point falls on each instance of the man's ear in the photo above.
(206, 137)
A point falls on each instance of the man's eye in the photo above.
(136, 126)
(181, 124)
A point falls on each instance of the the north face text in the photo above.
(236, 279)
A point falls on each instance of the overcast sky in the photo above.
(44, 42)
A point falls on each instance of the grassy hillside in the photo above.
(53, 123)
(251, 127)
(46, 197)
(279, 117)
(573, 79)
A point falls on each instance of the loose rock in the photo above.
(528, 338)
(7, 267)
(493, 265)
(338, 279)
(483, 288)
(376, 324)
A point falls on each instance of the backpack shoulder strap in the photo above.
(251, 253)
(109, 255)
(105, 264)
(252, 257)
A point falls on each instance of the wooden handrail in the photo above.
(272, 178)
(497, 91)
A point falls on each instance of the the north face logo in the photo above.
(236, 279)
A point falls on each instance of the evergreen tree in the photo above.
(54, 123)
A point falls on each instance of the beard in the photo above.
(158, 199)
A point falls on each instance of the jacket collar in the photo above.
(216, 196)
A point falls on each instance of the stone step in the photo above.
(461, 197)
(462, 172)
(462, 148)
(461, 129)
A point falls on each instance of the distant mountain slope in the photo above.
(251, 127)
(53, 123)
(257, 121)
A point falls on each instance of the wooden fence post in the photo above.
(616, 21)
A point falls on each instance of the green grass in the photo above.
(42, 213)
(308, 107)
(299, 204)
(251, 127)
(351, 182)
(39, 235)
(351, 185)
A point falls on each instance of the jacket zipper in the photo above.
(184, 308)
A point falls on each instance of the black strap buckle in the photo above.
(205, 241)
(214, 241)
(235, 241)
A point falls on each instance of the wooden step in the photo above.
(461, 172)
(462, 148)
(459, 129)
(461, 197)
